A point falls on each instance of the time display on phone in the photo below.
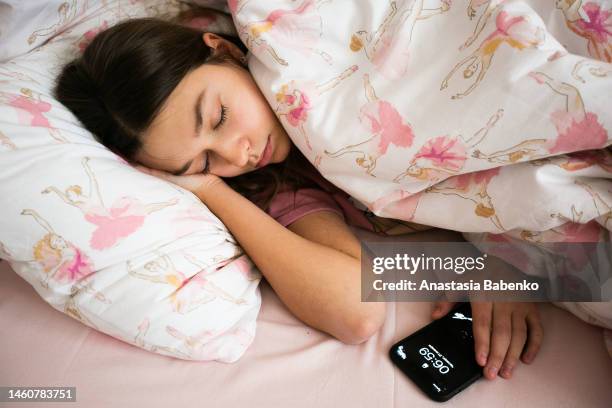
(437, 360)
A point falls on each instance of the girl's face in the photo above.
(216, 120)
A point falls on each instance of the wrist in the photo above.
(209, 187)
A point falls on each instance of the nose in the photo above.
(236, 150)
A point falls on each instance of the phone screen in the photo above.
(440, 357)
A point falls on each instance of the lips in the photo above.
(266, 155)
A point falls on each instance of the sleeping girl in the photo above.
(181, 105)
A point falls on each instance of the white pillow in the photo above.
(125, 253)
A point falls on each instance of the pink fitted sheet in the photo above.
(288, 365)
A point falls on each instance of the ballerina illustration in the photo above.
(6, 142)
(577, 129)
(60, 260)
(596, 69)
(490, 8)
(472, 187)
(298, 29)
(516, 31)
(296, 98)
(113, 224)
(445, 156)
(30, 110)
(190, 293)
(386, 125)
(388, 47)
(66, 11)
(591, 22)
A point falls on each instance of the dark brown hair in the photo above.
(122, 80)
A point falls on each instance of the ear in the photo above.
(221, 46)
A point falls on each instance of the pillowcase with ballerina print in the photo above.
(125, 253)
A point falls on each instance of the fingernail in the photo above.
(493, 372)
(507, 371)
(482, 359)
(528, 358)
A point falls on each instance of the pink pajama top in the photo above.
(289, 206)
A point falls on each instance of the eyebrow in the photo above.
(198, 127)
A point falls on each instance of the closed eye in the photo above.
(223, 117)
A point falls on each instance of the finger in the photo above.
(481, 326)
(517, 342)
(500, 340)
(441, 309)
(534, 336)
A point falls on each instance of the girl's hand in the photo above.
(196, 183)
(503, 331)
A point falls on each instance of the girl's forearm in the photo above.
(319, 284)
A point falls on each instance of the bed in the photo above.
(288, 364)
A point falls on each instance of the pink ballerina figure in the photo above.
(298, 29)
(595, 68)
(296, 98)
(577, 129)
(472, 187)
(60, 260)
(591, 22)
(490, 7)
(445, 156)
(516, 31)
(6, 142)
(388, 47)
(386, 126)
(31, 109)
(122, 219)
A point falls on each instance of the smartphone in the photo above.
(440, 357)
